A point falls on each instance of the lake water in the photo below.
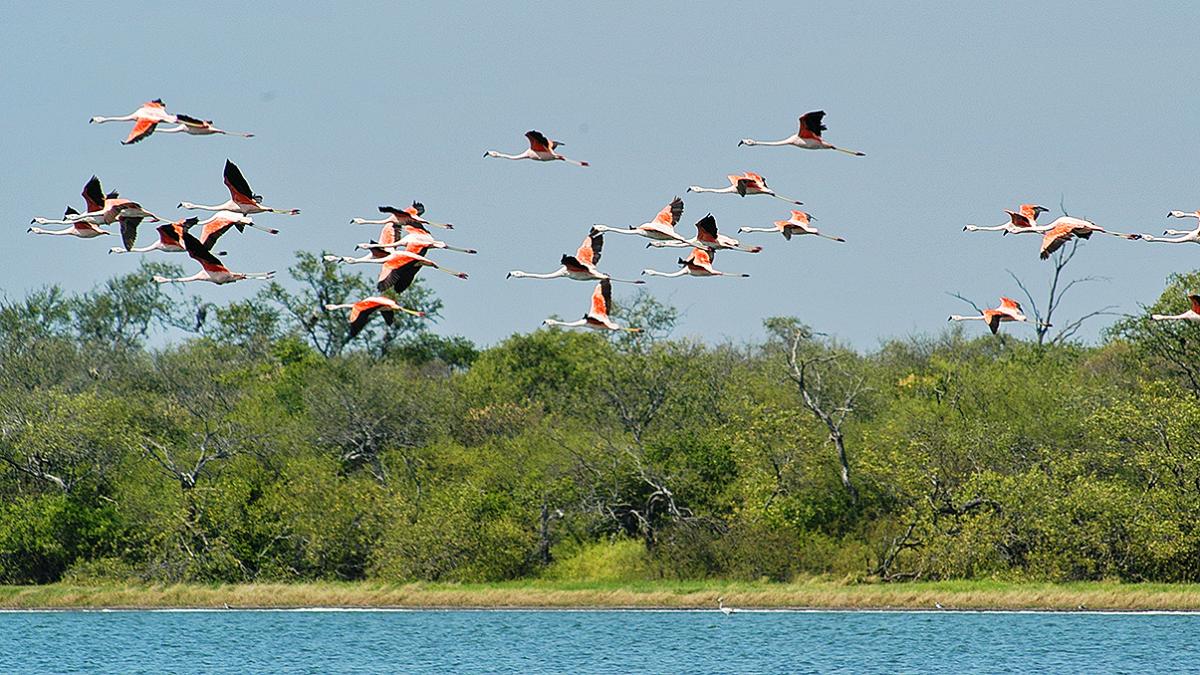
(315, 641)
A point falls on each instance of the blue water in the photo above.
(595, 641)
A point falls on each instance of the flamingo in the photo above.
(1187, 235)
(723, 609)
(84, 229)
(402, 217)
(1009, 310)
(211, 268)
(798, 224)
(105, 210)
(541, 149)
(170, 238)
(1192, 314)
(361, 311)
(708, 237)
(414, 231)
(745, 184)
(579, 267)
(1021, 221)
(697, 264)
(145, 119)
(807, 137)
(662, 228)
(399, 268)
(221, 221)
(198, 127)
(1064, 228)
(242, 199)
(597, 317)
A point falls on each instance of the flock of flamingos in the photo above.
(405, 241)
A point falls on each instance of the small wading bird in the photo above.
(597, 318)
(84, 229)
(402, 217)
(1063, 229)
(222, 221)
(243, 199)
(1021, 221)
(662, 228)
(170, 239)
(211, 268)
(579, 267)
(198, 127)
(697, 264)
(1009, 310)
(745, 184)
(1192, 314)
(145, 119)
(807, 137)
(708, 237)
(798, 224)
(361, 311)
(723, 609)
(1185, 235)
(541, 149)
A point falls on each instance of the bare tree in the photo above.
(829, 403)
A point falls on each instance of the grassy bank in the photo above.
(547, 594)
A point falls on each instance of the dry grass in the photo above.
(816, 593)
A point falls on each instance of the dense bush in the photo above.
(253, 442)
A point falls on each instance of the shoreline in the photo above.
(817, 595)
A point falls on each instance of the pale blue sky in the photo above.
(963, 110)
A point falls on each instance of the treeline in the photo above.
(145, 435)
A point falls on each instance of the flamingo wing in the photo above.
(360, 315)
(1195, 300)
(417, 209)
(538, 141)
(573, 264)
(170, 234)
(93, 195)
(143, 128)
(398, 275)
(129, 231)
(192, 122)
(811, 125)
(706, 228)
(992, 317)
(213, 231)
(239, 189)
(201, 254)
(671, 213)
(602, 298)
(589, 251)
(1054, 239)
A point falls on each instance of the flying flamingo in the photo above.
(198, 127)
(402, 217)
(1192, 314)
(1187, 235)
(697, 264)
(662, 228)
(361, 311)
(597, 318)
(1021, 221)
(808, 137)
(145, 119)
(84, 229)
(414, 233)
(1064, 228)
(105, 209)
(798, 224)
(745, 184)
(399, 268)
(579, 267)
(170, 239)
(1009, 310)
(541, 149)
(222, 221)
(242, 199)
(211, 268)
(708, 237)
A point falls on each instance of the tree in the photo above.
(1172, 345)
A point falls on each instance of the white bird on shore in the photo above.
(723, 609)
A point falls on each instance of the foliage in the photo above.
(154, 437)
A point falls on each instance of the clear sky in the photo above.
(963, 109)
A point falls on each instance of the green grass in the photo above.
(812, 593)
